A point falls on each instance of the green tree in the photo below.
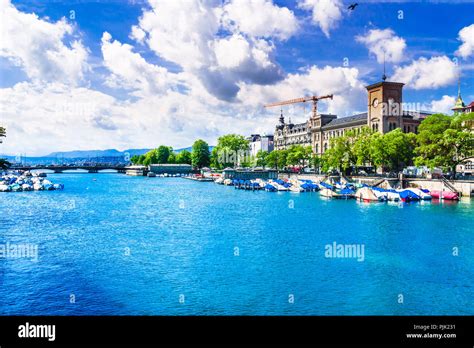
(151, 157)
(445, 141)
(277, 159)
(272, 159)
(231, 150)
(378, 152)
(261, 158)
(160, 155)
(147, 161)
(172, 158)
(340, 155)
(4, 164)
(215, 159)
(200, 156)
(282, 158)
(324, 164)
(3, 133)
(298, 155)
(135, 159)
(362, 145)
(247, 161)
(184, 157)
(393, 150)
(307, 155)
(315, 161)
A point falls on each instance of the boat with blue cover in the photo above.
(408, 196)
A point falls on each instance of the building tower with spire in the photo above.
(459, 106)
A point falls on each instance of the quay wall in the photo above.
(466, 187)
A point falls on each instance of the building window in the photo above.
(325, 147)
(316, 148)
(404, 129)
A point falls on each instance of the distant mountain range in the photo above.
(110, 155)
(96, 153)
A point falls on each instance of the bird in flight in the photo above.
(353, 6)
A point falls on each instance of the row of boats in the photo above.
(166, 175)
(27, 181)
(340, 190)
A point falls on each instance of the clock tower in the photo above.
(384, 110)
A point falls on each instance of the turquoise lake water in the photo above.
(125, 245)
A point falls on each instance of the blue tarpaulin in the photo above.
(408, 195)
(323, 184)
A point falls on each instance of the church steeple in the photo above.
(459, 105)
(282, 119)
(281, 125)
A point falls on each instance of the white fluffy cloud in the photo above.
(384, 43)
(187, 34)
(131, 71)
(426, 73)
(443, 105)
(259, 18)
(466, 35)
(180, 31)
(39, 47)
(222, 55)
(65, 118)
(326, 13)
(349, 92)
(231, 52)
(137, 34)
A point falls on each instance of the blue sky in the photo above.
(66, 85)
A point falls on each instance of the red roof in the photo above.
(470, 105)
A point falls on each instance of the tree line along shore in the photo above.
(442, 141)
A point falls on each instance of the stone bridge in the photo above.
(61, 169)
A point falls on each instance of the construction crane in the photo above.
(313, 98)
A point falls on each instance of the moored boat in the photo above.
(27, 187)
(269, 188)
(448, 195)
(296, 188)
(326, 185)
(408, 196)
(16, 187)
(327, 193)
(38, 186)
(366, 194)
(17, 182)
(423, 195)
(279, 185)
(345, 193)
(5, 188)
